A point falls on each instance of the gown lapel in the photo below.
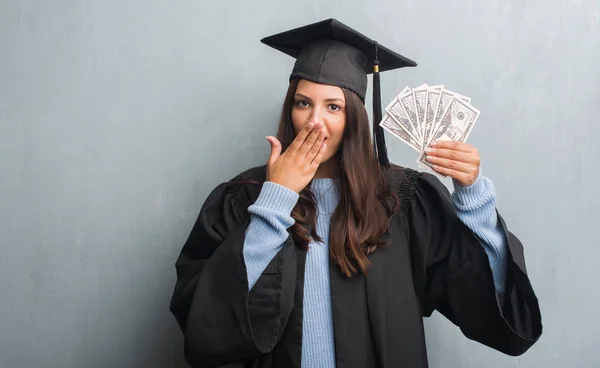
(375, 285)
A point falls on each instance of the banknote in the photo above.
(407, 102)
(395, 110)
(420, 94)
(440, 108)
(464, 98)
(455, 125)
(433, 96)
(389, 124)
(418, 116)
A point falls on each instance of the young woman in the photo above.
(328, 257)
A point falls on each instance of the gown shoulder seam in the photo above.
(407, 188)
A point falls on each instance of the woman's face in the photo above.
(320, 103)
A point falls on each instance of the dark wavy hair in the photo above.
(366, 204)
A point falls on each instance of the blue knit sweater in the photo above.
(267, 232)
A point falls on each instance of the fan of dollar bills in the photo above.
(421, 115)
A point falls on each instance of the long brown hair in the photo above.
(366, 204)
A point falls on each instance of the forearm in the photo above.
(476, 208)
(267, 231)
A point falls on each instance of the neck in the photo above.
(328, 169)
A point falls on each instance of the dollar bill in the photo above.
(462, 117)
(420, 95)
(455, 125)
(389, 124)
(405, 92)
(407, 102)
(424, 114)
(395, 110)
(461, 97)
(433, 96)
(440, 108)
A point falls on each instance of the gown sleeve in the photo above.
(453, 273)
(222, 320)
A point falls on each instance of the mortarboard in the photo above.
(329, 52)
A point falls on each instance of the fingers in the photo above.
(455, 151)
(452, 145)
(275, 149)
(300, 138)
(312, 138)
(319, 157)
(445, 163)
(451, 155)
(316, 147)
(459, 176)
(458, 160)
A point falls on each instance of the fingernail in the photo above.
(433, 144)
(310, 125)
(428, 158)
(428, 150)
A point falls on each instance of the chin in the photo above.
(325, 159)
(328, 156)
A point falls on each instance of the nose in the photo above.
(316, 115)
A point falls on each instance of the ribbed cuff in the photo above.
(475, 195)
(277, 198)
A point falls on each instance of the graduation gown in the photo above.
(434, 262)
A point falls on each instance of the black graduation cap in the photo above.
(329, 52)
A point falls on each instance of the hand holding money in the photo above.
(458, 160)
(428, 114)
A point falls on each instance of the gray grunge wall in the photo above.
(118, 117)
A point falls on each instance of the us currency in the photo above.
(407, 102)
(462, 117)
(405, 91)
(433, 96)
(389, 124)
(395, 110)
(420, 101)
(456, 124)
(440, 108)
(461, 97)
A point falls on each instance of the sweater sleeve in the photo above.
(476, 208)
(270, 217)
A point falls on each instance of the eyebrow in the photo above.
(300, 95)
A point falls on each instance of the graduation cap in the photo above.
(329, 52)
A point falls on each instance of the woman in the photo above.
(323, 258)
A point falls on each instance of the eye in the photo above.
(335, 107)
(302, 103)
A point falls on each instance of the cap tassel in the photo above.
(379, 141)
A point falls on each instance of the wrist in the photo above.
(277, 197)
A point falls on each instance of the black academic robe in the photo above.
(434, 262)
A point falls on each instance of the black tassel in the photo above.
(378, 133)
